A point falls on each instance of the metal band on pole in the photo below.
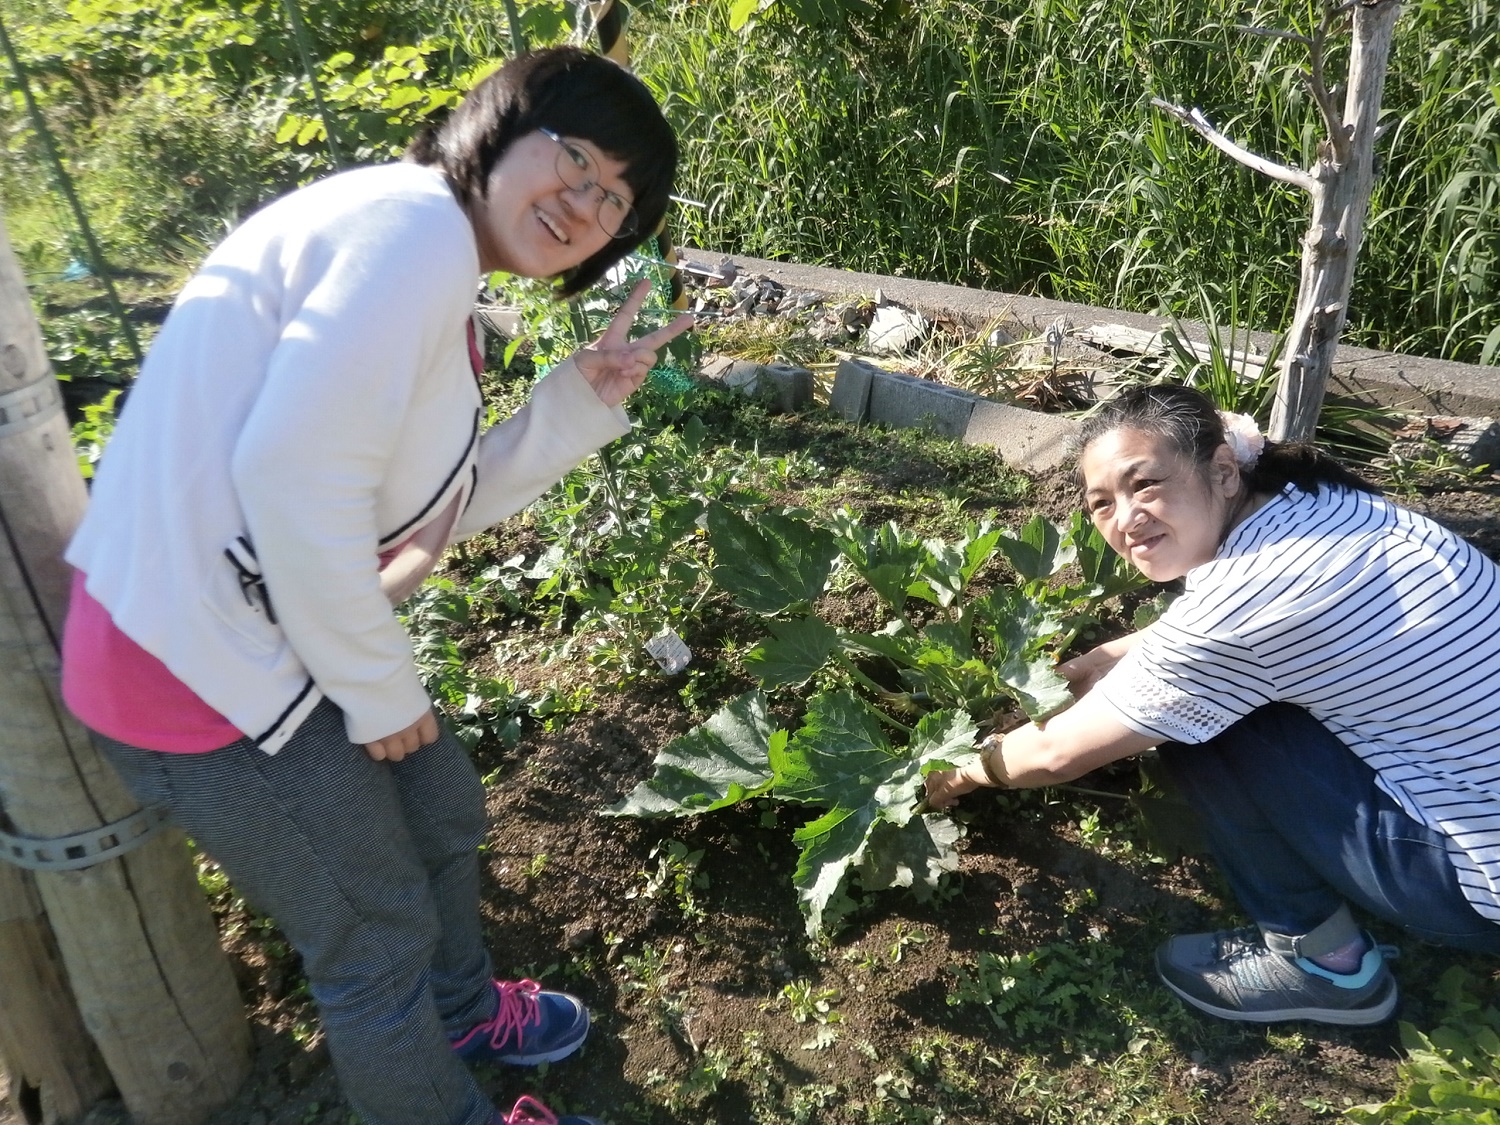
(83, 849)
(29, 406)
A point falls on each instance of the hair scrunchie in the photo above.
(1243, 437)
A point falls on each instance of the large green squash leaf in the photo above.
(1040, 551)
(841, 759)
(796, 650)
(1036, 685)
(889, 559)
(770, 565)
(722, 762)
(950, 567)
(1106, 571)
(915, 854)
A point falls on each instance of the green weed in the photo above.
(808, 1002)
(676, 877)
(1451, 1074)
(1080, 997)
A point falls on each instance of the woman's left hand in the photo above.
(614, 364)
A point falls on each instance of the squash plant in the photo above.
(971, 662)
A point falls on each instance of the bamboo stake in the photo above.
(154, 989)
(97, 260)
(305, 54)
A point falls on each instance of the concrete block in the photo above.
(715, 367)
(850, 398)
(909, 402)
(1472, 442)
(785, 387)
(503, 319)
(1025, 439)
(788, 386)
(743, 375)
(1477, 442)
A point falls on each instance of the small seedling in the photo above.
(903, 939)
(676, 875)
(808, 1001)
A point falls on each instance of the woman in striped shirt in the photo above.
(1320, 691)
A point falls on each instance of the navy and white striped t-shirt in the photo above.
(1380, 623)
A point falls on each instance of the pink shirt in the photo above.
(119, 689)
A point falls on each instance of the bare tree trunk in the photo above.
(1339, 184)
(153, 986)
(1343, 177)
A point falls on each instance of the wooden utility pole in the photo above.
(1339, 183)
(135, 936)
(54, 1069)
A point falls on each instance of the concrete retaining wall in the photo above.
(1411, 383)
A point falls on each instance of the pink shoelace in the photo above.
(518, 1009)
(529, 1111)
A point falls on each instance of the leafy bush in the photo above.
(1013, 145)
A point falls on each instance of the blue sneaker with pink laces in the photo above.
(529, 1111)
(530, 1026)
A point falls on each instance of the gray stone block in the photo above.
(785, 387)
(715, 367)
(1477, 442)
(1026, 439)
(743, 375)
(503, 319)
(909, 402)
(788, 386)
(850, 398)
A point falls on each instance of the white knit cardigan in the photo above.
(308, 404)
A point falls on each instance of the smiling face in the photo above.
(529, 222)
(1158, 509)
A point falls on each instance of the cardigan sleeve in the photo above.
(520, 458)
(367, 309)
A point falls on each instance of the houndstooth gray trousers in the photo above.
(371, 871)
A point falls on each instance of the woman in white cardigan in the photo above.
(302, 443)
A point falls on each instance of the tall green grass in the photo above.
(1011, 144)
(1004, 143)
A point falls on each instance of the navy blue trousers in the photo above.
(1298, 825)
(371, 871)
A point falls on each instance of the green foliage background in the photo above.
(1011, 144)
(1005, 143)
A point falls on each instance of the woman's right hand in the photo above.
(408, 740)
(1083, 672)
(945, 787)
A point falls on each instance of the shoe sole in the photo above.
(1342, 1017)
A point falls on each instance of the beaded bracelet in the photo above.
(990, 757)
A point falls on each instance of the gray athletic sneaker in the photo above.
(1231, 974)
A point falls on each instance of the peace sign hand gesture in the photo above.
(614, 364)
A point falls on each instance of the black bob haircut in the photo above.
(574, 93)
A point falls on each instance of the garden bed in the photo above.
(685, 937)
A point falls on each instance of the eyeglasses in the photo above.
(577, 171)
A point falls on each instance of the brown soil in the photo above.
(679, 999)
